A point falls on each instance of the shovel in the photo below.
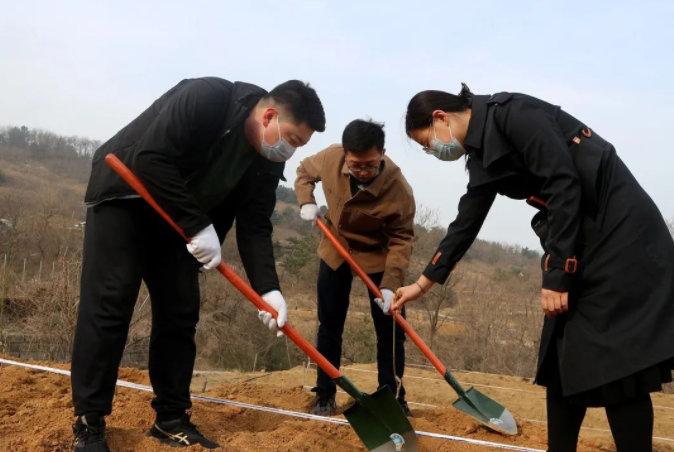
(377, 419)
(472, 402)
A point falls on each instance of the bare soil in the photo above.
(36, 413)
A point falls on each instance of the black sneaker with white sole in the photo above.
(89, 431)
(180, 433)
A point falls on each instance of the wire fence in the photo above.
(29, 270)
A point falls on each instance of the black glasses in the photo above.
(364, 168)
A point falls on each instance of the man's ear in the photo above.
(268, 115)
(383, 152)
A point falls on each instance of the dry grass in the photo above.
(486, 318)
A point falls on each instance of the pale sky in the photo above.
(88, 68)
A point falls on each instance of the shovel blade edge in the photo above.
(487, 411)
(381, 424)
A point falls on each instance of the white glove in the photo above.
(276, 301)
(205, 246)
(309, 212)
(385, 304)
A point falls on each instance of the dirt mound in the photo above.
(36, 416)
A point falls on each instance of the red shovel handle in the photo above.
(375, 290)
(126, 174)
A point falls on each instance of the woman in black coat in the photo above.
(608, 267)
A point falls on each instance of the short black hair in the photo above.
(301, 101)
(360, 136)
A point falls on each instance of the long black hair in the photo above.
(421, 107)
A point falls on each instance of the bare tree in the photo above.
(54, 303)
(426, 217)
(45, 234)
(11, 210)
(440, 298)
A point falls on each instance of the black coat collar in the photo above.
(478, 117)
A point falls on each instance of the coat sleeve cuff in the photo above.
(438, 273)
(195, 225)
(557, 279)
(439, 268)
(305, 196)
(267, 287)
(391, 284)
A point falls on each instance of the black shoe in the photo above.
(406, 409)
(180, 433)
(89, 431)
(324, 404)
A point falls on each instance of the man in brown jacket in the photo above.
(371, 210)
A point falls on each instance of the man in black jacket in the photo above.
(210, 152)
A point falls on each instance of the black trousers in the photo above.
(125, 243)
(334, 290)
(631, 423)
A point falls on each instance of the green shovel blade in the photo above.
(379, 421)
(487, 411)
(482, 408)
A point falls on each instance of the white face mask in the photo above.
(279, 152)
(447, 152)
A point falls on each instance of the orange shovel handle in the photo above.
(375, 290)
(226, 271)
